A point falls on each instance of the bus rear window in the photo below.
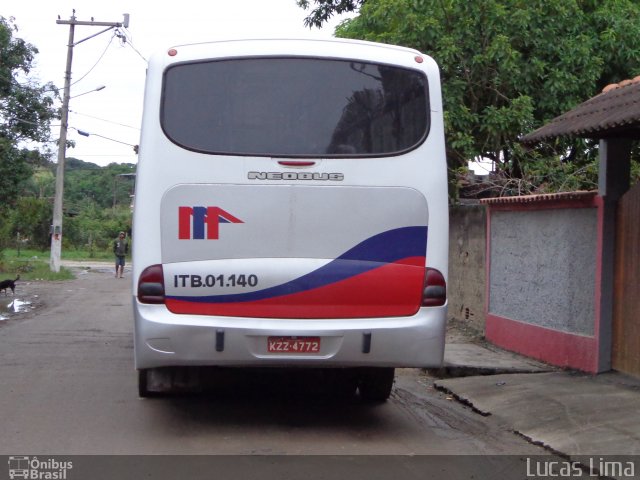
(299, 107)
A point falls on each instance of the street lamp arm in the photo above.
(88, 134)
(95, 34)
(97, 89)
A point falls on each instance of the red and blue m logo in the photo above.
(199, 223)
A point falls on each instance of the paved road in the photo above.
(69, 387)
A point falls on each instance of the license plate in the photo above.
(293, 344)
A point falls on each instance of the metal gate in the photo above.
(626, 315)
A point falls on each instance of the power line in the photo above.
(125, 37)
(103, 119)
(22, 120)
(98, 61)
(27, 87)
(16, 83)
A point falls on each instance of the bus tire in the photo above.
(376, 384)
(143, 384)
(344, 383)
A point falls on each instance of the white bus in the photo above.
(291, 210)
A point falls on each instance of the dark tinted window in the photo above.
(294, 107)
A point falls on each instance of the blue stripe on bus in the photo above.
(386, 247)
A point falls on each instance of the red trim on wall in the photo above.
(552, 346)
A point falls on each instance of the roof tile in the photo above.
(579, 195)
(614, 112)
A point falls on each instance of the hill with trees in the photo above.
(97, 205)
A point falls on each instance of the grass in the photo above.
(85, 255)
(34, 264)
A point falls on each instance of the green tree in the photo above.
(15, 170)
(95, 228)
(41, 184)
(324, 10)
(26, 111)
(26, 108)
(31, 220)
(507, 66)
(105, 186)
(97, 202)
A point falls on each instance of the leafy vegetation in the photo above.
(26, 111)
(508, 67)
(324, 9)
(96, 200)
(97, 205)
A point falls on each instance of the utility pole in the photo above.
(56, 230)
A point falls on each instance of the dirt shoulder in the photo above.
(33, 296)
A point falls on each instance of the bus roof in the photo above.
(310, 47)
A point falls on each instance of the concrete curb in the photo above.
(467, 359)
(565, 412)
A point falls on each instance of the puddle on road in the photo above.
(13, 305)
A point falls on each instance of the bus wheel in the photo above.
(344, 383)
(143, 384)
(375, 384)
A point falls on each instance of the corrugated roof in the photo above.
(579, 195)
(613, 113)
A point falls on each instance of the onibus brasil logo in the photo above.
(38, 468)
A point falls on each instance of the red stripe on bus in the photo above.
(394, 289)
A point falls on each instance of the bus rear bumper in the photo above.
(163, 339)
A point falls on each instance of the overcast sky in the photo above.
(116, 111)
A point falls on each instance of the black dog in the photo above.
(4, 284)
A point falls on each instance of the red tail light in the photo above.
(151, 285)
(435, 289)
